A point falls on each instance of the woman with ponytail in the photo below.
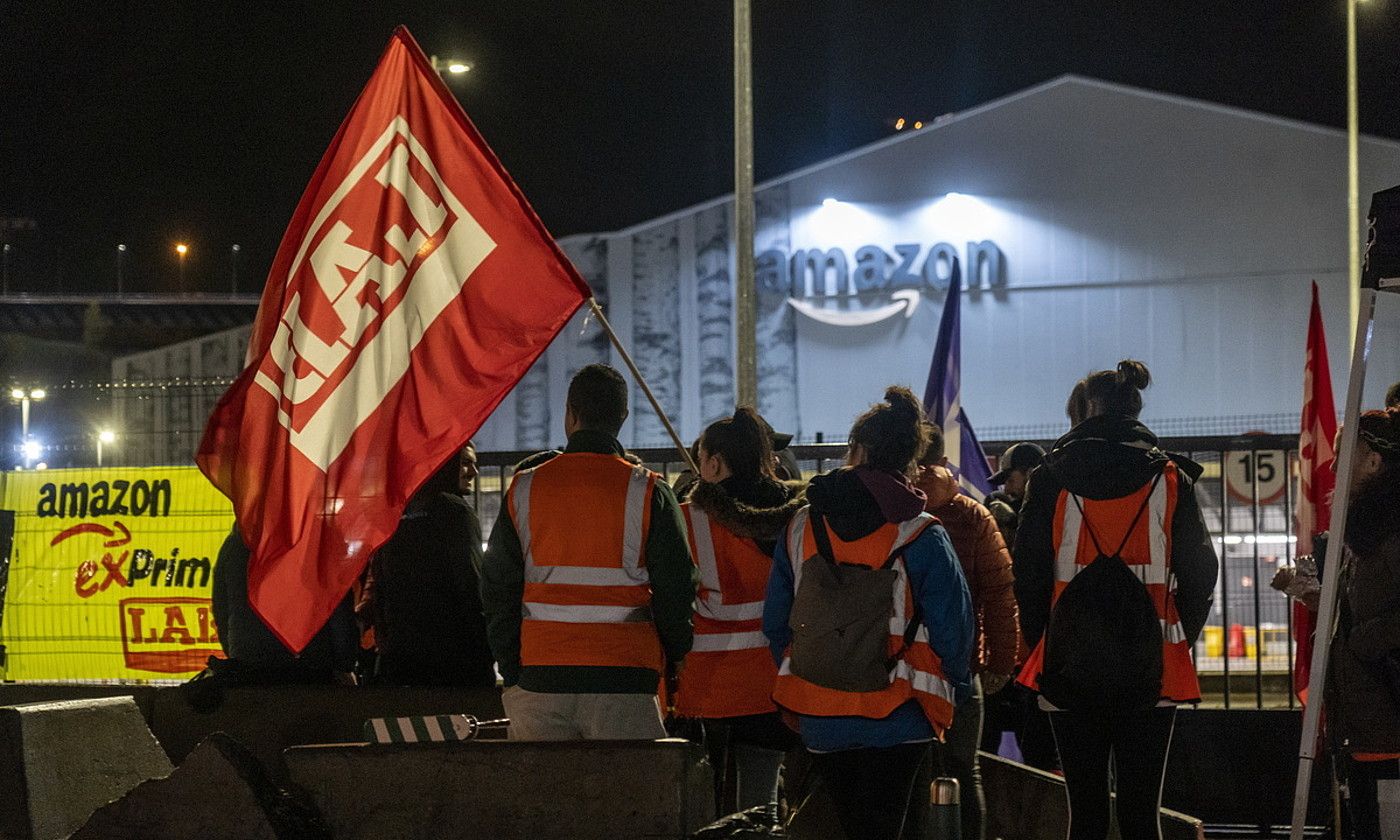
(870, 621)
(1363, 680)
(1114, 576)
(735, 515)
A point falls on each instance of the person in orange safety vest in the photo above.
(735, 516)
(587, 582)
(1107, 490)
(867, 720)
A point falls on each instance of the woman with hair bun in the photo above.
(870, 621)
(1114, 576)
(735, 515)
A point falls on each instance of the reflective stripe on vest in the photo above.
(588, 572)
(918, 673)
(1147, 553)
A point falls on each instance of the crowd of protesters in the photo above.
(878, 617)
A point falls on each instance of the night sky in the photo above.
(155, 122)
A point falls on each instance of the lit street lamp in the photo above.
(181, 249)
(454, 66)
(24, 398)
(104, 437)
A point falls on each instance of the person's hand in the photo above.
(1283, 578)
(994, 683)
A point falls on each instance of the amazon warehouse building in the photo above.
(1090, 222)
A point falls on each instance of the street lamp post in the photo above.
(745, 297)
(1353, 175)
(121, 253)
(24, 398)
(233, 269)
(181, 249)
(104, 437)
(5, 269)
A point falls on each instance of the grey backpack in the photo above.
(840, 620)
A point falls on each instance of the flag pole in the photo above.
(646, 389)
(1332, 571)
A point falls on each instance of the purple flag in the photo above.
(943, 399)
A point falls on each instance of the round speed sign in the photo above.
(1266, 468)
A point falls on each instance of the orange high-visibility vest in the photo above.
(918, 674)
(729, 671)
(583, 520)
(1147, 553)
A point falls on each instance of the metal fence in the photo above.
(1246, 493)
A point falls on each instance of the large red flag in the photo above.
(412, 290)
(1315, 456)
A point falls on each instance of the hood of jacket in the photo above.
(1373, 517)
(858, 501)
(1110, 456)
(752, 520)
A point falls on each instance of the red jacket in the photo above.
(986, 564)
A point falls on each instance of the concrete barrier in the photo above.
(1028, 804)
(268, 720)
(219, 793)
(60, 761)
(595, 790)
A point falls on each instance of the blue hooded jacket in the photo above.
(856, 502)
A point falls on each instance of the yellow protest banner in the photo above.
(110, 573)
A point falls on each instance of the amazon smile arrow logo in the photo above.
(904, 300)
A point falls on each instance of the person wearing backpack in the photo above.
(735, 515)
(870, 621)
(1115, 571)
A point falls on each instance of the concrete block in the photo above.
(60, 761)
(268, 719)
(1028, 804)
(219, 793)
(586, 790)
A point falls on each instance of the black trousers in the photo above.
(1137, 743)
(871, 788)
(1361, 801)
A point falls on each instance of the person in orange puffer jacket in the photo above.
(986, 564)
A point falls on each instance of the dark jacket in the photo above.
(669, 568)
(426, 602)
(247, 640)
(1363, 711)
(985, 563)
(1109, 457)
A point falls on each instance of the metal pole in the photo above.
(745, 297)
(646, 389)
(1327, 603)
(99, 451)
(24, 419)
(5, 269)
(1353, 174)
(233, 270)
(121, 251)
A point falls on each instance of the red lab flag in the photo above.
(1315, 457)
(412, 290)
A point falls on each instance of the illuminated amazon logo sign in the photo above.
(872, 285)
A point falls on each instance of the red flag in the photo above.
(412, 290)
(1315, 456)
